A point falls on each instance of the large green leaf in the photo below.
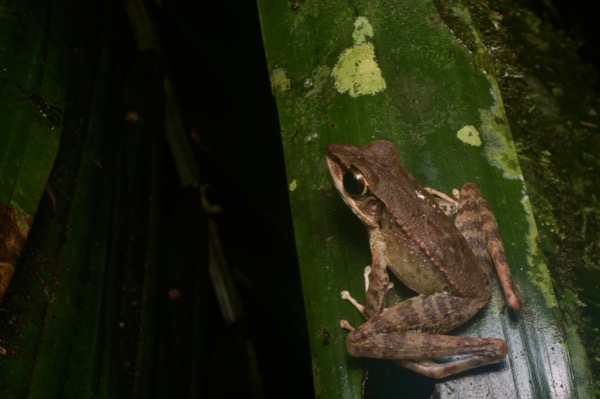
(70, 319)
(418, 74)
(33, 72)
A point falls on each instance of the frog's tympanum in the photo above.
(447, 264)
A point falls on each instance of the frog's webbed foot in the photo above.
(433, 369)
(448, 205)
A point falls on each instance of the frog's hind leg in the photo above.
(412, 333)
(478, 225)
(477, 352)
(408, 350)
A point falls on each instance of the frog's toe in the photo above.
(346, 325)
(346, 296)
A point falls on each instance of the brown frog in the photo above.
(447, 264)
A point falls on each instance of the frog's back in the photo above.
(429, 252)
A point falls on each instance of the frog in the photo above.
(448, 264)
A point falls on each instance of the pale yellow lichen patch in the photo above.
(469, 135)
(357, 72)
(537, 268)
(280, 83)
(499, 148)
(362, 30)
(293, 185)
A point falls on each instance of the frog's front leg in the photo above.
(412, 334)
(377, 282)
(361, 308)
(378, 278)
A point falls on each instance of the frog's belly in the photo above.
(410, 264)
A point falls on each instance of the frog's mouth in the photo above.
(337, 172)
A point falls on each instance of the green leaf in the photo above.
(60, 319)
(33, 72)
(416, 74)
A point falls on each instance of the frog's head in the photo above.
(356, 173)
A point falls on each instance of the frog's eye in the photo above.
(355, 183)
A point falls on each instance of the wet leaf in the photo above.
(430, 86)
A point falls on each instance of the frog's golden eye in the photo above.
(355, 183)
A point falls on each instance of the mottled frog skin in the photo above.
(448, 264)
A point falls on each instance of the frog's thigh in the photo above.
(435, 313)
